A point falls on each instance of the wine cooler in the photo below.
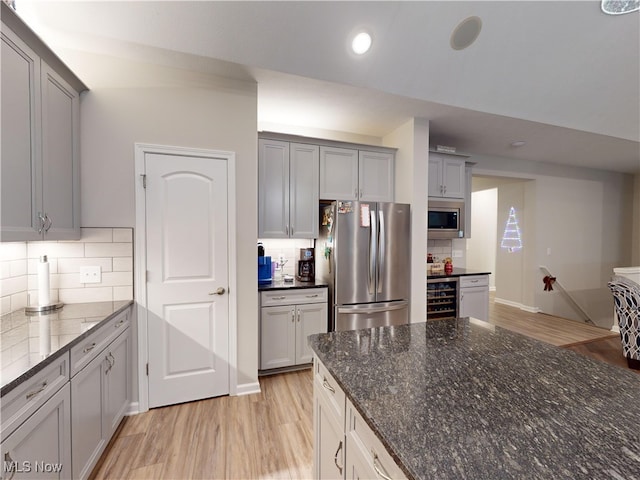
(442, 298)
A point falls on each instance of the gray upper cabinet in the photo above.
(350, 174)
(447, 177)
(287, 189)
(40, 141)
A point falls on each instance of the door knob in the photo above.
(219, 291)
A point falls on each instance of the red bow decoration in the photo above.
(548, 281)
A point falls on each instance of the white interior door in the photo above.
(187, 277)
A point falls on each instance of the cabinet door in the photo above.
(60, 157)
(304, 187)
(117, 379)
(329, 441)
(273, 189)
(20, 105)
(474, 302)
(88, 437)
(310, 319)
(436, 188)
(453, 177)
(338, 173)
(376, 176)
(277, 337)
(40, 448)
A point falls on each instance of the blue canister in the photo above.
(264, 270)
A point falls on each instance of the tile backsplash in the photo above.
(111, 249)
(289, 248)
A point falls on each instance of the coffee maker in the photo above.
(306, 265)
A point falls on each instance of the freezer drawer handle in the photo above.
(312, 296)
(278, 298)
(400, 306)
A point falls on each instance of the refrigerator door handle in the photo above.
(373, 249)
(388, 308)
(381, 250)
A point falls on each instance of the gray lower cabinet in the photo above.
(100, 394)
(287, 318)
(474, 297)
(41, 447)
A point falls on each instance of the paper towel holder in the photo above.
(44, 308)
(49, 306)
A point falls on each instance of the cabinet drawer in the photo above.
(362, 442)
(474, 281)
(328, 388)
(293, 296)
(88, 348)
(25, 399)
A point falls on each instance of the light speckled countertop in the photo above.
(20, 336)
(461, 399)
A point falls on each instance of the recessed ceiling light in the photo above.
(518, 143)
(361, 43)
(465, 33)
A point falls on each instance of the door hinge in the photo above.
(144, 180)
(147, 369)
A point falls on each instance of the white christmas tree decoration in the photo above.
(511, 239)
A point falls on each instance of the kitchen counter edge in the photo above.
(61, 351)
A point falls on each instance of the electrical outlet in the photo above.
(456, 253)
(90, 274)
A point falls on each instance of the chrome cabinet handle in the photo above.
(293, 315)
(219, 291)
(46, 229)
(361, 193)
(279, 298)
(89, 348)
(119, 324)
(38, 391)
(377, 466)
(327, 385)
(42, 223)
(335, 457)
(111, 360)
(312, 296)
(355, 193)
(12, 464)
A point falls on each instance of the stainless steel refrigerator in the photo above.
(363, 252)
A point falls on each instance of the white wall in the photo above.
(412, 161)
(582, 217)
(133, 102)
(481, 247)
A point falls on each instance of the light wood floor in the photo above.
(269, 435)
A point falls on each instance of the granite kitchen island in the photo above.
(462, 399)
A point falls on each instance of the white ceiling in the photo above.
(561, 76)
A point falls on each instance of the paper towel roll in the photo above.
(45, 336)
(43, 282)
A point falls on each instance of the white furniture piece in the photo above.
(356, 174)
(344, 445)
(287, 318)
(447, 177)
(474, 297)
(40, 139)
(100, 390)
(630, 273)
(287, 189)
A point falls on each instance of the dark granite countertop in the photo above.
(457, 272)
(462, 399)
(281, 285)
(20, 337)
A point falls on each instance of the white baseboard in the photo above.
(134, 409)
(510, 303)
(248, 388)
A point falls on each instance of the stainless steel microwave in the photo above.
(445, 219)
